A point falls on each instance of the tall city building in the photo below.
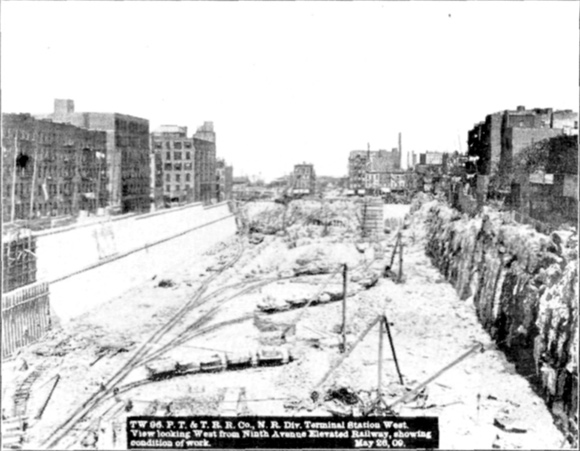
(224, 180)
(372, 169)
(204, 141)
(177, 158)
(304, 179)
(128, 158)
(51, 169)
(496, 142)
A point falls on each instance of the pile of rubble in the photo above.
(524, 287)
(304, 218)
(322, 293)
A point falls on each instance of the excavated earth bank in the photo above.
(524, 286)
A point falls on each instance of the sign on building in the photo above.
(571, 186)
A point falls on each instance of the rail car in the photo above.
(167, 368)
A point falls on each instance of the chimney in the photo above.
(402, 159)
(521, 108)
(63, 107)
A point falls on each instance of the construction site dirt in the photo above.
(284, 319)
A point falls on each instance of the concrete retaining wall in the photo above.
(92, 264)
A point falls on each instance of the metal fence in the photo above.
(25, 316)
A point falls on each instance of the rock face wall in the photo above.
(524, 286)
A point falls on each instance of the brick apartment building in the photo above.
(51, 169)
(177, 154)
(224, 180)
(374, 170)
(204, 141)
(549, 193)
(304, 179)
(128, 156)
(497, 141)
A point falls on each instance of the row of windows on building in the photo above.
(178, 145)
(177, 166)
(50, 188)
(132, 127)
(177, 188)
(178, 155)
(132, 141)
(178, 177)
(60, 138)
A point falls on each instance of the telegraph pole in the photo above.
(13, 206)
(32, 183)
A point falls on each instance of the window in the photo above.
(168, 166)
(177, 155)
(167, 145)
(168, 177)
(168, 155)
(177, 177)
(187, 187)
(176, 187)
(188, 155)
(187, 166)
(177, 166)
(187, 144)
(177, 144)
(168, 188)
(188, 177)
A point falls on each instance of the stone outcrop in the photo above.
(524, 286)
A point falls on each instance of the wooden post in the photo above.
(343, 358)
(388, 328)
(380, 381)
(13, 200)
(400, 261)
(32, 182)
(344, 294)
(395, 249)
(41, 411)
(478, 347)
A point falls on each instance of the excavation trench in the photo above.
(523, 285)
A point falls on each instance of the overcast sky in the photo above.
(295, 81)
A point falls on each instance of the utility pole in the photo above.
(32, 183)
(98, 156)
(13, 206)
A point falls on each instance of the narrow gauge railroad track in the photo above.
(74, 439)
(195, 301)
(142, 355)
(193, 331)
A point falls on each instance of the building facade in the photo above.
(51, 169)
(177, 154)
(304, 179)
(128, 157)
(494, 144)
(373, 170)
(224, 180)
(156, 170)
(204, 141)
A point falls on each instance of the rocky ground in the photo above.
(481, 402)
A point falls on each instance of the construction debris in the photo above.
(166, 283)
(165, 368)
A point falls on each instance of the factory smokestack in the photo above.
(402, 158)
